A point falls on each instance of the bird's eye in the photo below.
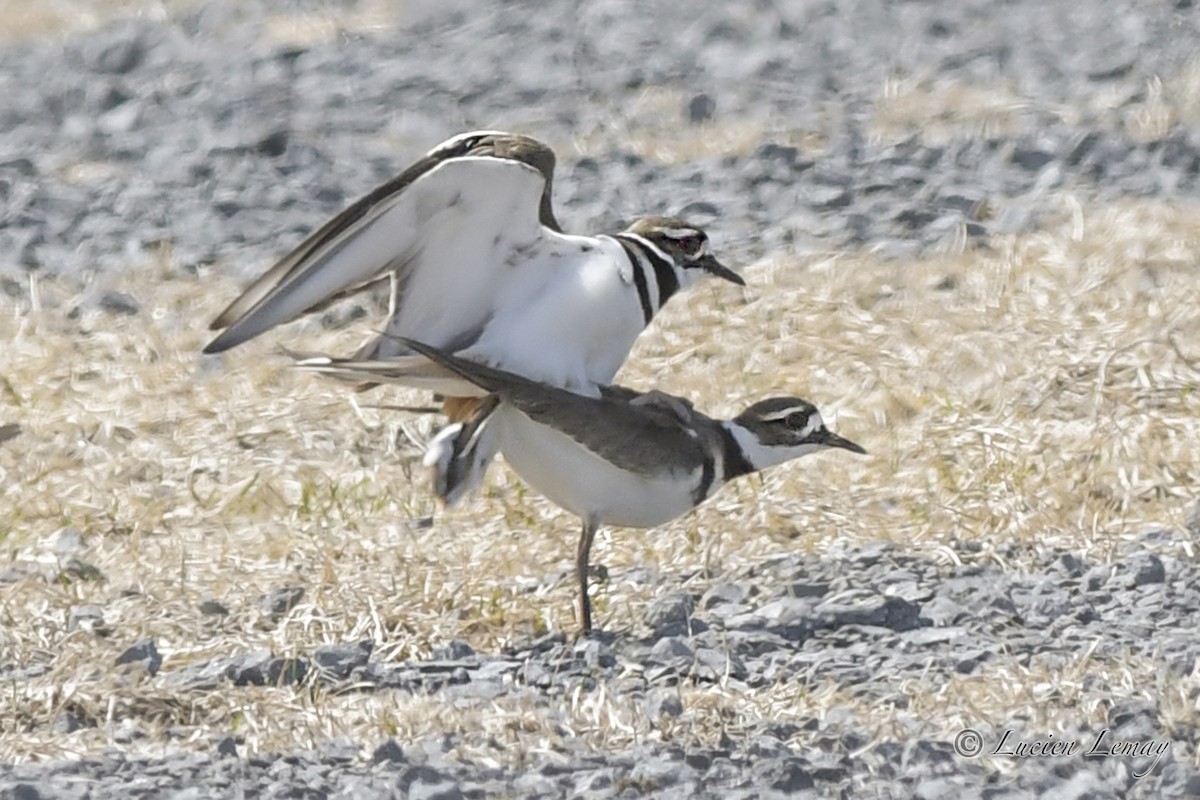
(694, 245)
(797, 420)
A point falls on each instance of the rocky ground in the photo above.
(870, 618)
(782, 127)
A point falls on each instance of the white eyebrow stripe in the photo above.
(778, 415)
(679, 233)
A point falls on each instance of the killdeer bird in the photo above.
(625, 458)
(478, 266)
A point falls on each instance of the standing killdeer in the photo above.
(478, 266)
(625, 458)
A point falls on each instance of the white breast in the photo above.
(573, 329)
(585, 484)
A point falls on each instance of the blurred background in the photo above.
(225, 130)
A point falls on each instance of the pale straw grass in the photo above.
(936, 108)
(1038, 391)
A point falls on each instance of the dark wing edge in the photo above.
(480, 143)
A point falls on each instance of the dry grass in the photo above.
(289, 23)
(938, 109)
(942, 110)
(1041, 390)
(655, 126)
(23, 20)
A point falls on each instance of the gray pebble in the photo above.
(227, 747)
(662, 702)
(701, 108)
(670, 613)
(339, 660)
(1148, 570)
(672, 653)
(213, 607)
(88, 617)
(119, 303)
(142, 652)
(279, 602)
(388, 753)
(68, 542)
(723, 593)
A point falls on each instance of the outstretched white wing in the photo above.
(443, 238)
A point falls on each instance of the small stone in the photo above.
(68, 541)
(257, 668)
(937, 789)
(767, 746)
(700, 210)
(119, 303)
(213, 607)
(86, 617)
(454, 650)
(808, 589)
(716, 665)
(671, 652)
(942, 611)
(388, 753)
(120, 119)
(14, 574)
(436, 791)
(1192, 523)
(828, 197)
(789, 775)
(9, 431)
(142, 652)
(790, 617)
(1149, 571)
(417, 775)
(122, 56)
(67, 722)
(854, 608)
(1097, 577)
(663, 702)
(1118, 66)
(723, 594)
(928, 636)
(126, 731)
(670, 612)
(339, 751)
(339, 660)
(1031, 158)
(772, 151)
(701, 108)
(273, 144)
(279, 602)
(78, 569)
(595, 654)
(968, 662)
(25, 791)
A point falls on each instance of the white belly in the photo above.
(585, 484)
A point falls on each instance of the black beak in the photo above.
(711, 265)
(827, 438)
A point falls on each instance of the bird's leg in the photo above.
(581, 573)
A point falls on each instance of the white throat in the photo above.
(761, 456)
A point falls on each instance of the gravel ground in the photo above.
(870, 618)
(201, 135)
